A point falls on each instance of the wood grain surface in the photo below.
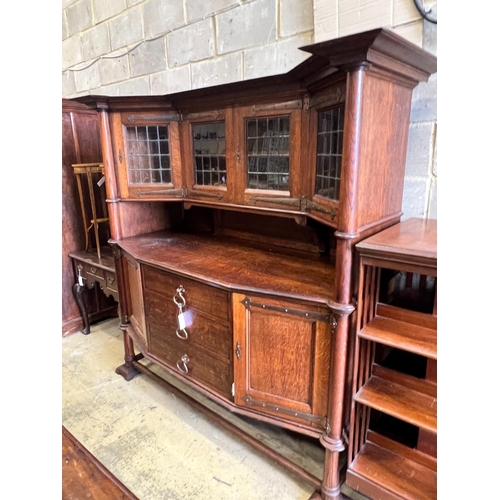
(84, 477)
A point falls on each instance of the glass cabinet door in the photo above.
(268, 155)
(329, 152)
(149, 160)
(326, 144)
(207, 165)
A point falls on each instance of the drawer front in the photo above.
(94, 271)
(205, 298)
(191, 361)
(201, 330)
(111, 281)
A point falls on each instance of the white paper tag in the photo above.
(101, 181)
(182, 321)
(80, 280)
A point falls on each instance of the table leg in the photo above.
(78, 294)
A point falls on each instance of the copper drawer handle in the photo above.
(183, 368)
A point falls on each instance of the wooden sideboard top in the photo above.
(237, 266)
(413, 238)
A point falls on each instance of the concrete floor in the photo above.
(157, 445)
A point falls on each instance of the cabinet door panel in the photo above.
(148, 155)
(135, 303)
(282, 358)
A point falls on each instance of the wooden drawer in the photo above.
(94, 271)
(201, 365)
(202, 331)
(207, 299)
(111, 281)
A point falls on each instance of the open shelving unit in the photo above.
(393, 423)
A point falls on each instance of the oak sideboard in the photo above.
(234, 211)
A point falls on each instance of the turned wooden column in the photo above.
(333, 440)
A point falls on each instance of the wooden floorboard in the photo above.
(84, 477)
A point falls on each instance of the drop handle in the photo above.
(179, 299)
(182, 364)
(181, 333)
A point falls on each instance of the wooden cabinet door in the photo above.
(325, 141)
(267, 150)
(135, 305)
(282, 359)
(148, 155)
(206, 139)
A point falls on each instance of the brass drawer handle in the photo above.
(178, 293)
(180, 335)
(111, 279)
(93, 269)
(183, 368)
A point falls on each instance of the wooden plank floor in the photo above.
(84, 477)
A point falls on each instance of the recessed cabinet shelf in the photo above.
(398, 395)
(402, 334)
(384, 462)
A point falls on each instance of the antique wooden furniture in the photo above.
(91, 269)
(80, 144)
(393, 424)
(96, 263)
(92, 221)
(234, 212)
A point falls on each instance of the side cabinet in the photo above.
(282, 358)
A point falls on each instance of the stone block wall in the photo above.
(133, 47)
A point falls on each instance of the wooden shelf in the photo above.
(402, 396)
(386, 469)
(237, 265)
(407, 330)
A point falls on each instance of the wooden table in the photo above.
(89, 270)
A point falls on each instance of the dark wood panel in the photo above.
(83, 476)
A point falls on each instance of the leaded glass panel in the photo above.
(329, 152)
(148, 155)
(209, 146)
(268, 153)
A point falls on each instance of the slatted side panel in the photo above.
(363, 356)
